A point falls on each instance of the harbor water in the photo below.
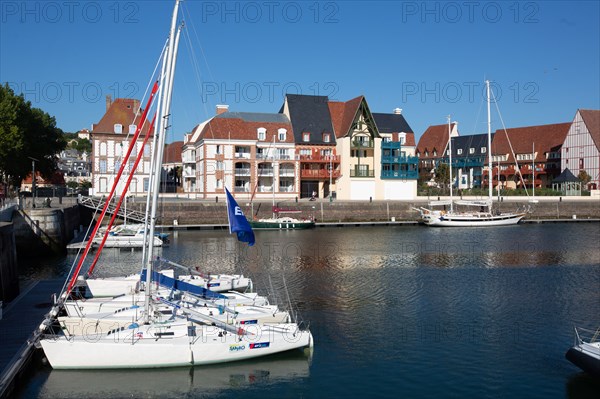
(396, 311)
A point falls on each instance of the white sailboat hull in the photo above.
(472, 219)
(219, 283)
(142, 348)
(113, 286)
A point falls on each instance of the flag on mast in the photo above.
(237, 221)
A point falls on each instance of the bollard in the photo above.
(216, 199)
(296, 199)
(370, 199)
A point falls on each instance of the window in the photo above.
(581, 163)
(102, 166)
(146, 184)
(459, 151)
(220, 165)
(326, 137)
(132, 129)
(131, 163)
(262, 133)
(219, 149)
(306, 137)
(281, 134)
(118, 128)
(147, 150)
(471, 150)
(102, 149)
(483, 150)
(283, 153)
(325, 153)
(402, 138)
(305, 151)
(435, 153)
(219, 183)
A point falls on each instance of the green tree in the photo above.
(584, 177)
(442, 174)
(26, 132)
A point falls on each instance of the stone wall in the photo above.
(203, 212)
(9, 277)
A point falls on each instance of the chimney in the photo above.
(398, 111)
(108, 101)
(221, 109)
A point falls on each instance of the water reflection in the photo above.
(178, 382)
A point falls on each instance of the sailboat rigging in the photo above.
(180, 323)
(485, 215)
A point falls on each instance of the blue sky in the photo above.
(428, 58)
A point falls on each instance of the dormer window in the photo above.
(118, 128)
(132, 129)
(281, 134)
(306, 137)
(402, 138)
(435, 153)
(262, 133)
(326, 137)
(471, 150)
(426, 153)
(483, 150)
(459, 151)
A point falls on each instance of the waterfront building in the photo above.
(172, 167)
(469, 160)
(110, 141)
(251, 153)
(315, 143)
(581, 148)
(529, 156)
(432, 148)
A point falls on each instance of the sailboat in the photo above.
(170, 333)
(479, 213)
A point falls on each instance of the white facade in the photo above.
(579, 152)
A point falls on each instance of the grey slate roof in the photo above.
(391, 123)
(255, 117)
(565, 177)
(476, 141)
(310, 114)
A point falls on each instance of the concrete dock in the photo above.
(20, 319)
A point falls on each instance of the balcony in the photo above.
(242, 155)
(264, 189)
(286, 189)
(391, 145)
(265, 171)
(400, 159)
(362, 173)
(319, 158)
(286, 172)
(319, 174)
(400, 174)
(241, 189)
(242, 171)
(362, 143)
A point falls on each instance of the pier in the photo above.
(19, 330)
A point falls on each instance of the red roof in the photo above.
(342, 115)
(410, 138)
(545, 138)
(57, 179)
(122, 111)
(172, 152)
(240, 129)
(591, 118)
(434, 138)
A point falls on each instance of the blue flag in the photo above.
(237, 221)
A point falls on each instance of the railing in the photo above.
(400, 159)
(265, 171)
(244, 155)
(391, 145)
(318, 158)
(239, 189)
(286, 189)
(286, 172)
(319, 173)
(242, 171)
(265, 189)
(400, 174)
(95, 203)
(362, 144)
(362, 173)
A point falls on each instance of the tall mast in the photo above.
(533, 169)
(171, 58)
(490, 177)
(450, 157)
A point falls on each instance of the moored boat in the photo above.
(585, 353)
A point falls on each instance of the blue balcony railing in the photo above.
(400, 159)
(400, 174)
(391, 145)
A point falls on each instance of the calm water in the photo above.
(395, 312)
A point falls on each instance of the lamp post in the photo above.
(33, 179)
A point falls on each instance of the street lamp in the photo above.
(33, 179)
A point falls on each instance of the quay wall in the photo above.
(195, 212)
(9, 277)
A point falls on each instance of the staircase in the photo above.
(95, 203)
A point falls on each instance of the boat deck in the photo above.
(20, 319)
